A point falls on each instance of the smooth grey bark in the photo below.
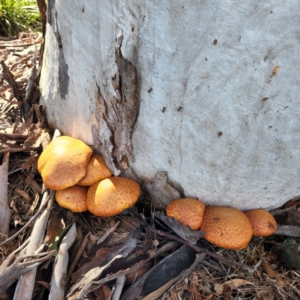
(217, 84)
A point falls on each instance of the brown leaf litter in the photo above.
(140, 253)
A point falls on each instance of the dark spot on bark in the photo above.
(265, 98)
(49, 11)
(63, 77)
(271, 225)
(215, 42)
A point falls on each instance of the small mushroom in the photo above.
(188, 211)
(112, 195)
(263, 223)
(226, 227)
(63, 163)
(73, 198)
(96, 171)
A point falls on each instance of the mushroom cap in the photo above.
(226, 227)
(73, 198)
(112, 195)
(63, 163)
(263, 223)
(96, 171)
(188, 211)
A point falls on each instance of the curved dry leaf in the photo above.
(234, 284)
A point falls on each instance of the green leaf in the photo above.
(55, 244)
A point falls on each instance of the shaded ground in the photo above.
(140, 244)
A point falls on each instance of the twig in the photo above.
(5, 213)
(199, 249)
(58, 280)
(9, 77)
(29, 87)
(119, 287)
(108, 233)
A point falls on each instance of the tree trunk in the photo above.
(204, 90)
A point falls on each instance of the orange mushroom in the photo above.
(188, 211)
(63, 163)
(96, 171)
(263, 223)
(112, 195)
(226, 227)
(73, 198)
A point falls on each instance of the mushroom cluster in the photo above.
(225, 227)
(82, 180)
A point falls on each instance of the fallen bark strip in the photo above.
(162, 291)
(199, 249)
(85, 284)
(5, 213)
(96, 284)
(17, 264)
(58, 279)
(118, 287)
(25, 284)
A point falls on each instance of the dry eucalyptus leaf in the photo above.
(181, 230)
(234, 284)
(55, 225)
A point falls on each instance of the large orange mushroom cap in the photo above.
(263, 223)
(226, 227)
(188, 211)
(96, 171)
(73, 198)
(112, 195)
(63, 163)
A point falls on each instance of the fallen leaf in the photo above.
(157, 293)
(23, 194)
(183, 231)
(103, 293)
(234, 284)
(55, 226)
(271, 272)
(45, 284)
